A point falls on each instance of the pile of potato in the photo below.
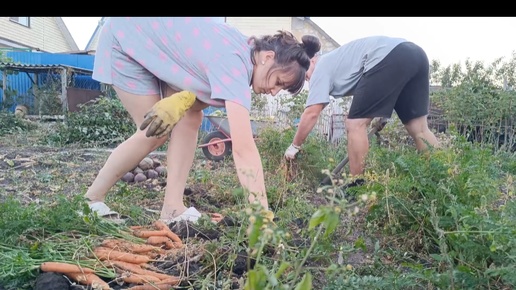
(148, 168)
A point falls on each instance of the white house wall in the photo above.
(43, 34)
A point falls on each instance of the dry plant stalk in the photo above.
(289, 169)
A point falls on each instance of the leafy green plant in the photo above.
(289, 272)
(101, 122)
(258, 103)
(9, 94)
(315, 155)
(480, 100)
(12, 124)
(47, 97)
(66, 237)
(449, 200)
(295, 104)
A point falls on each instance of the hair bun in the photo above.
(311, 44)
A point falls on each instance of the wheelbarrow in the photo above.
(376, 127)
(216, 145)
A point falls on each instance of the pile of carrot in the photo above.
(130, 260)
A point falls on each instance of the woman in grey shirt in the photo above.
(383, 74)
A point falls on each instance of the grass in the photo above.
(441, 220)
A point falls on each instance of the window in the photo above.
(21, 20)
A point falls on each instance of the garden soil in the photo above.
(31, 172)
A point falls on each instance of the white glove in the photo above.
(291, 151)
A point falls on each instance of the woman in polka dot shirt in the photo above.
(145, 58)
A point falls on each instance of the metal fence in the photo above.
(330, 125)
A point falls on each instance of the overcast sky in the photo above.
(447, 39)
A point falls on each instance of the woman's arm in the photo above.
(245, 153)
(306, 124)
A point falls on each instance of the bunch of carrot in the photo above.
(129, 259)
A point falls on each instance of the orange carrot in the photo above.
(63, 268)
(108, 254)
(136, 227)
(89, 279)
(151, 287)
(138, 278)
(130, 267)
(161, 225)
(163, 242)
(174, 281)
(159, 241)
(137, 269)
(149, 233)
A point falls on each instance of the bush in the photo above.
(101, 122)
(449, 204)
(478, 100)
(12, 124)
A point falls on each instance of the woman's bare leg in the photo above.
(180, 157)
(128, 154)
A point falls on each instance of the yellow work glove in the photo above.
(165, 114)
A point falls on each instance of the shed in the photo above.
(70, 95)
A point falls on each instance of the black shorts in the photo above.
(400, 82)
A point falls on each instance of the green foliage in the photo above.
(315, 155)
(8, 93)
(4, 58)
(449, 201)
(12, 124)
(9, 100)
(102, 122)
(296, 104)
(480, 99)
(36, 233)
(258, 103)
(291, 269)
(47, 97)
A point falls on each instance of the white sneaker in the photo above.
(104, 211)
(191, 214)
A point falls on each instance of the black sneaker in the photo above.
(345, 188)
(356, 182)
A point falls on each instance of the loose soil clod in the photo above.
(51, 281)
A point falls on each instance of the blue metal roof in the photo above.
(39, 67)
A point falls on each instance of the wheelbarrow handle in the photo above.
(378, 125)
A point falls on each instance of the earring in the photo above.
(263, 62)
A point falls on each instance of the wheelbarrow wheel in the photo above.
(219, 150)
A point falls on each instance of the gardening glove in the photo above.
(165, 114)
(292, 151)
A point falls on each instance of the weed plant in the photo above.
(14, 125)
(453, 208)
